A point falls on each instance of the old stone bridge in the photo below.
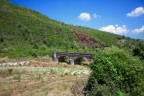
(74, 58)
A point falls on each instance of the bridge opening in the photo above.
(61, 59)
(77, 61)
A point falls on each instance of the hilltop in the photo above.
(24, 32)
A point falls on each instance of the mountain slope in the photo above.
(24, 32)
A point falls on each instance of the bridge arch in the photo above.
(63, 59)
(77, 61)
(60, 58)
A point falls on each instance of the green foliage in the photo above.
(24, 32)
(7, 72)
(115, 72)
(17, 77)
(139, 49)
(66, 59)
(23, 29)
(10, 71)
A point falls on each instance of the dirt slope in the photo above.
(86, 40)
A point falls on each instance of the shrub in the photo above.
(17, 77)
(85, 61)
(10, 70)
(66, 59)
(139, 49)
(115, 72)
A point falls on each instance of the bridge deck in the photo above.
(70, 54)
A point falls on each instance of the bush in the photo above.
(139, 49)
(17, 77)
(115, 72)
(66, 59)
(85, 61)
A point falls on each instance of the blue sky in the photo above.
(124, 17)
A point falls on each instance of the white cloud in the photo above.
(136, 12)
(140, 30)
(95, 16)
(116, 25)
(116, 29)
(84, 16)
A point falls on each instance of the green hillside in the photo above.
(24, 32)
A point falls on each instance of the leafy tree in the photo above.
(139, 49)
(115, 72)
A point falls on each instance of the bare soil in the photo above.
(86, 40)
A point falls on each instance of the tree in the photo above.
(139, 49)
(115, 72)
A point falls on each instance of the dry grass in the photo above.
(40, 78)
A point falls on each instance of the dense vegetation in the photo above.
(116, 73)
(139, 50)
(24, 32)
